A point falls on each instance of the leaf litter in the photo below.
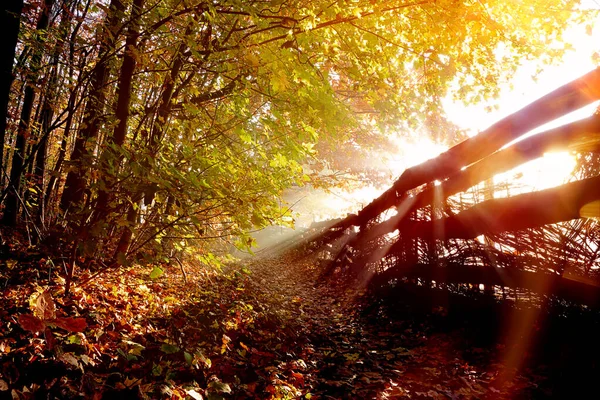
(263, 329)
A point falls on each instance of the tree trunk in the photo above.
(581, 135)
(122, 115)
(94, 111)
(162, 114)
(47, 114)
(529, 210)
(11, 210)
(71, 108)
(538, 282)
(10, 18)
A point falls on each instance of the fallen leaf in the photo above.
(31, 323)
(156, 273)
(194, 395)
(219, 387)
(44, 306)
(70, 324)
(69, 358)
(169, 348)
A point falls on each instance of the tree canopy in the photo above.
(138, 127)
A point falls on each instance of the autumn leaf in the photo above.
(69, 358)
(70, 324)
(31, 323)
(156, 273)
(298, 378)
(219, 387)
(44, 306)
(225, 341)
(169, 348)
(194, 394)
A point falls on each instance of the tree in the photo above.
(117, 139)
(47, 109)
(11, 209)
(10, 20)
(94, 112)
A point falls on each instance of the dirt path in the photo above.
(268, 328)
(343, 348)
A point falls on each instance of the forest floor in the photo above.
(268, 328)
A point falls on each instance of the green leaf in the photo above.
(189, 359)
(156, 370)
(156, 273)
(168, 348)
(219, 387)
(128, 357)
(74, 339)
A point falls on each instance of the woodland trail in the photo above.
(271, 328)
(344, 346)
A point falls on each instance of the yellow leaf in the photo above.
(253, 60)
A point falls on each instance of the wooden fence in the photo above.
(432, 239)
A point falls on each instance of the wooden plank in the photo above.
(529, 210)
(537, 282)
(583, 135)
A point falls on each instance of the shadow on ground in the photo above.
(274, 333)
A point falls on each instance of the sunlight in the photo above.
(413, 152)
(322, 205)
(553, 169)
(591, 210)
(338, 202)
(526, 86)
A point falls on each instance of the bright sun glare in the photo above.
(551, 170)
(554, 168)
(412, 152)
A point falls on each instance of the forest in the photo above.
(148, 144)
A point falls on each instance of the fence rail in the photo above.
(417, 235)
